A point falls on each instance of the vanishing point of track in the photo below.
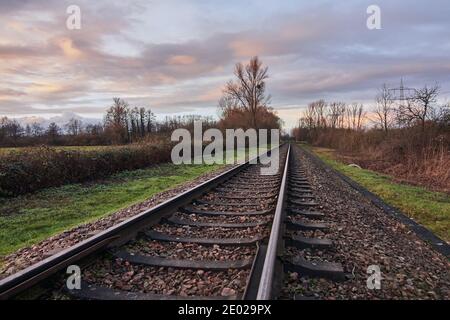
(228, 238)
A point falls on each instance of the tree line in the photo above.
(408, 138)
(420, 110)
(244, 104)
(122, 124)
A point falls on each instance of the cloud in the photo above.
(181, 60)
(69, 49)
(178, 62)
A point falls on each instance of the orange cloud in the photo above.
(67, 46)
(181, 60)
(43, 88)
(15, 25)
(212, 95)
(247, 48)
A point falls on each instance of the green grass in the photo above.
(28, 219)
(430, 209)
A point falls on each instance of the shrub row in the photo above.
(38, 168)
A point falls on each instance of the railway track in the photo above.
(298, 236)
(306, 243)
(228, 238)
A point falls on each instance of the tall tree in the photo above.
(116, 121)
(420, 107)
(248, 90)
(53, 132)
(336, 111)
(36, 129)
(355, 116)
(74, 126)
(384, 112)
(151, 121)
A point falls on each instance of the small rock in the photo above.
(227, 292)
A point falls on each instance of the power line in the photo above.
(403, 93)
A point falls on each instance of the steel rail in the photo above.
(266, 283)
(117, 234)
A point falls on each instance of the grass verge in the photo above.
(28, 219)
(430, 209)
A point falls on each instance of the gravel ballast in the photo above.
(192, 251)
(364, 235)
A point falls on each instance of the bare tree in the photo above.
(10, 128)
(441, 116)
(74, 126)
(36, 129)
(309, 116)
(315, 115)
(151, 121)
(384, 112)
(420, 107)
(142, 112)
(248, 90)
(336, 112)
(28, 131)
(355, 116)
(53, 132)
(94, 129)
(320, 106)
(116, 120)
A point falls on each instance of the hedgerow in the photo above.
(37, 168)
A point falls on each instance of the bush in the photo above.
(33, 169)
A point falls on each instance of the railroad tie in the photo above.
(300, 180)
(256, 197)
(304, 242)
(305, 213)
(300, 190)
(303, 203)
(322, 269)
(155, 261)
(302, 196)
(297, 225)
(94, 292)
(299, 184)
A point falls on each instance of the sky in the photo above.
(176, 56)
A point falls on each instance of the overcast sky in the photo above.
(175, 56)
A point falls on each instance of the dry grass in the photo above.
(408, 155)
(429, 208)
